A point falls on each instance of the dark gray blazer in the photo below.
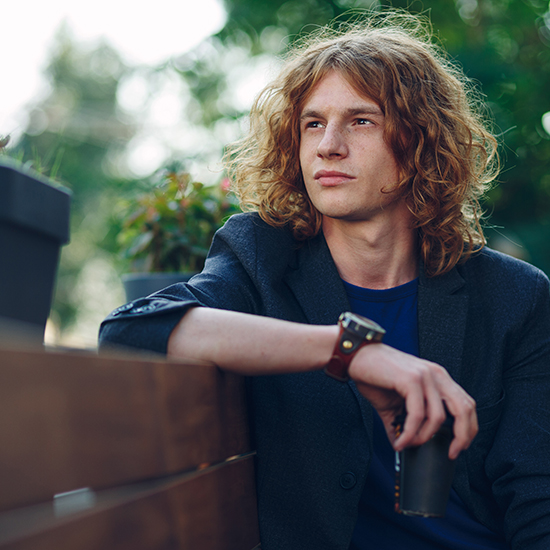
(487, 322)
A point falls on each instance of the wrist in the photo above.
(364, 359)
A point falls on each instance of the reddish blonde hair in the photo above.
(433, 125)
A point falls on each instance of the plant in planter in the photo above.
(34, 224)
(166, 233)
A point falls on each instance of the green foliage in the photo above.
(253, 17)
(170, 228)
(35, 163)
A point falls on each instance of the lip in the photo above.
(330, 178)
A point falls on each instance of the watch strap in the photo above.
(346, 347)
(348, 344)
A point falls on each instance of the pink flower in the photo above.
(225, 184)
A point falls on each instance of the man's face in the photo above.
(344, 159)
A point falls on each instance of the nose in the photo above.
(333, 143)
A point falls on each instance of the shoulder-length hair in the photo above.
(433, 124)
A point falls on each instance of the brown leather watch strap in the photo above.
(347, 345)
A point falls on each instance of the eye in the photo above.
(313, 124)
(364, 121)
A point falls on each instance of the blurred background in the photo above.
(102, 97)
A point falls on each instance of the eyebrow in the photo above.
(353, 111)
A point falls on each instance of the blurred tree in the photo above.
(78, 132)
(79, 119)
(505, 45)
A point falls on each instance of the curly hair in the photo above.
(434, 126)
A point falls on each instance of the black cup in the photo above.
(424, 474)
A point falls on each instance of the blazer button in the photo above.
(122, 309)
(348, 480)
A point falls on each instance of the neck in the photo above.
(372, 255)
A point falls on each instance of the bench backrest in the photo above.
(122, 453)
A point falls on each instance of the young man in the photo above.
(363, 165)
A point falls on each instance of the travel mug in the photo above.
(424, 474)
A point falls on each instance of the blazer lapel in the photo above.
(318, 288)
(316, 284)
(442, 312)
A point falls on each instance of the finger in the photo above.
(415, 406)
(465, 425)
(435, 412)
(462, 407)
(428, 413)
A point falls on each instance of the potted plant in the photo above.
(166, 232)
(34, 224)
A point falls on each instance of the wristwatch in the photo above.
(356, 331)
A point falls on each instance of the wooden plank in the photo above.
(219, 511)
(72, 420)
(214, 509)
(202, 415)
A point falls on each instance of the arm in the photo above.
(255, 345)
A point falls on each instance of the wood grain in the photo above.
(72, 420)
(213, 509)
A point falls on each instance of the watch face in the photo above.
(361, 326)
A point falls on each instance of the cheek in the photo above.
(386, 160)
(306, 153)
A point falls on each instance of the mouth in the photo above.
(330, 178)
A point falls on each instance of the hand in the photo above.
(392, 380)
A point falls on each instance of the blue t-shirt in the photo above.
(378, 526)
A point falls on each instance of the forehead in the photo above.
(336, 90)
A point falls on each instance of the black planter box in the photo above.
(34, 224)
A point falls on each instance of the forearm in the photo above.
(254, 345)
(251, 344)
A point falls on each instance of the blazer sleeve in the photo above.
(228, 281)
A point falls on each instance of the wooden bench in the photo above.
(132, 453)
